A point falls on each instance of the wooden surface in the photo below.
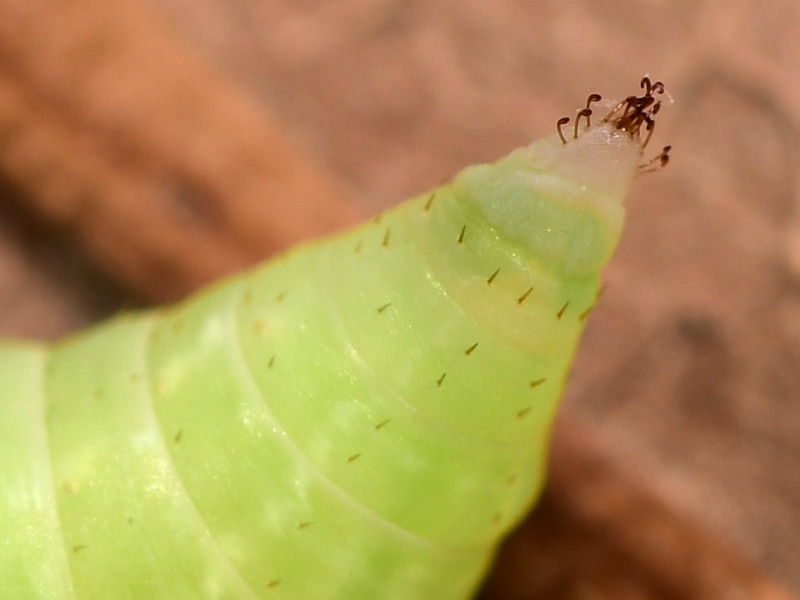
(147, 147)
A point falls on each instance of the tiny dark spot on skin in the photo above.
(385, 242)
(357, 247)
(247, 298)
(461, 234)
(524, 296)
(378, 218)
(429, 202)
(130, 520)
(273, 583)
(305, 524)
(440, 381)
(492, 277)
(178, 436)
(497, 517)
(384, 307)
(78, 548)
(537, 382)
(134, 377)
(381, 425)
(353, 457)
(511, 481)
(281, 297)
(97, 394)
(597, 296)
(471, 349)
(260, 327)
(271, 362)
(523, 412)
(562, 310)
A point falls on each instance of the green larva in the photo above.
(363, 417)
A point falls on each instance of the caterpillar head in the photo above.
(561, 198)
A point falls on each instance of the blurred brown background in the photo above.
(147, 147)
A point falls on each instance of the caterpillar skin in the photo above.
(363, 417)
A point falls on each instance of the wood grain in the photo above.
(600, 533)
(119, 135)
(164, 171)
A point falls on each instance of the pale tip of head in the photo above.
(602, 158)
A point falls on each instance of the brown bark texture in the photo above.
(149, 147)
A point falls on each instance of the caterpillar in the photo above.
(364, 416)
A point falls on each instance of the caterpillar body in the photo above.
(363, 417)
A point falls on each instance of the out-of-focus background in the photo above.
(147, 147)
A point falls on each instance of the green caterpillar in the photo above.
(363, 417)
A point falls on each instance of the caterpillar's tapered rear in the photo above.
(363, 417)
